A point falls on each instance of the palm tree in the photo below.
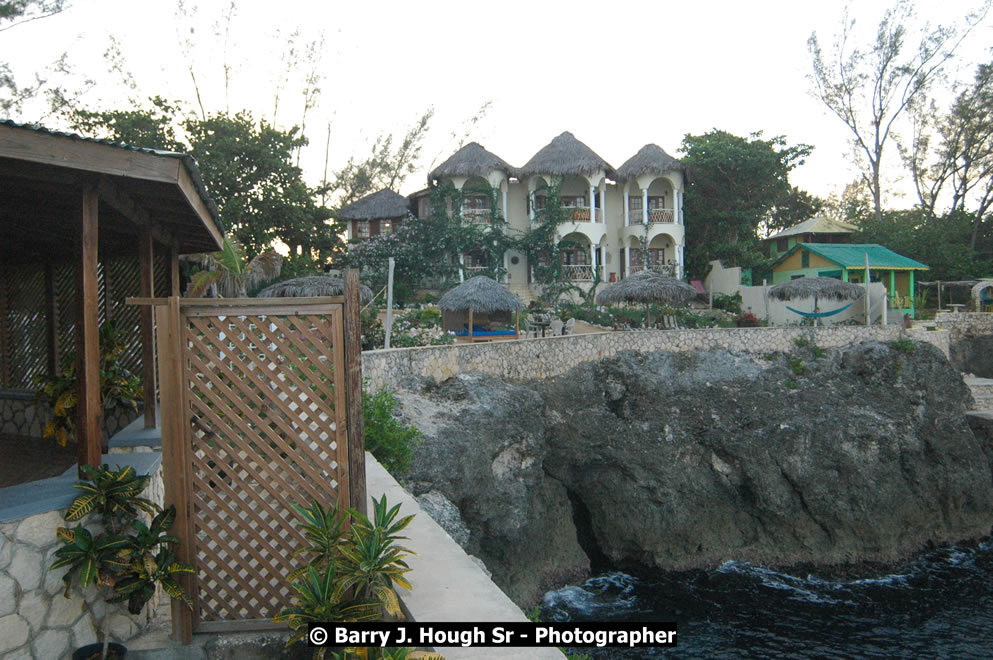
(231, 273)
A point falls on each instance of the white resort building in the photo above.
(609, 215)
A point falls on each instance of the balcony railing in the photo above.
(579, 273)
(582, 214)
(655, 216)
(472, 271)
(664, 269)
(479, 216)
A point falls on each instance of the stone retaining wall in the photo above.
(36, 621)
(20, 415)
(970, 341)
(541, 358)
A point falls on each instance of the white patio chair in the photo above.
(569, 325)
(555, 327)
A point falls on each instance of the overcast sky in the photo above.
(617, 75)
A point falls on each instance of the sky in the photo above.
(618, 76)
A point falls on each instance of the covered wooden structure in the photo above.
(84, 223)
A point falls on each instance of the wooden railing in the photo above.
(582, 214)
(480, 216)
(655, 216)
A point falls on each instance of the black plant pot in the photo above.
(115, 651)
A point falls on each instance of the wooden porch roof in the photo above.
(44, 173)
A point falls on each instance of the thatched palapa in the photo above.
(384, 204)
(482, 295)
(312, 286)
(566, 156)
(470, 160)
(816, 287)
(646, 286)
(479, 296)
(650, 159)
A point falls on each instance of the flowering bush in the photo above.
(417, 327)
(747, 320)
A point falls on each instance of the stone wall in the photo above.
(36, 621)
(20, 415)
(970, 341)
(553, 356)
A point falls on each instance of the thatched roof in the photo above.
(379, 205)
(470, 160)
(312, 286)
(650, 159)
(482, 294)
(646, 286)
(819, 224)
(819, 287)
(566, 156)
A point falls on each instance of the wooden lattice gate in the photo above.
(262, 394)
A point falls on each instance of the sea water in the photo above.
(939, 605)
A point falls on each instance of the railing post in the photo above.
(355, 420)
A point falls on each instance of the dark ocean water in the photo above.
(938, 606)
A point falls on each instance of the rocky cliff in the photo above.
(677, 461)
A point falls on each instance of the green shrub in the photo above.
(389, 440)
(430, 316)
(802, 341)
(903, 345)
(797, 366)
(728, 303)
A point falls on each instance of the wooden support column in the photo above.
(88, 408)
(146, 268)
(5, 375)
(51, 323)
(353, 385)
(176, 459)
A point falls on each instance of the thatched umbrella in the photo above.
(313, 286)
(483, 295)
(647, 286)
(816, 287)
(650, 159)
(566, 156)
(470, 160)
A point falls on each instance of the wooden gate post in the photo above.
(353, 387)
(175, 459)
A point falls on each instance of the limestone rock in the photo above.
(39, 530)
(51, 644)
(446, 514)
(14, 631)
(7, 588)
(676, 461)
(25, 567)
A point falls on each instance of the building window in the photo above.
(634, 203)
(361, 229)
(804, 259)
(782, 244)
(423, 208)
(539, 202)
(656, 203)
(476, 203)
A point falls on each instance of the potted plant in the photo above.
(121, 555)
(118, 386)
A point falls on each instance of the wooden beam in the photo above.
(113, 196)
(176, 460)
(88, 407)
(192, 193)
(146, 260)
(85, 156)
(353, 387)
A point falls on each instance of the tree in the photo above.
(248, 171)
(735, 186)
(869, 90)
(961, 170)
(385, 167)
(12, 14)
(231, 273)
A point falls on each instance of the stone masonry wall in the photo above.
(22, 416)
(36, 621)
(552, 356)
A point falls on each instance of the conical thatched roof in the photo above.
(482, 294)
(566, 156)
(382, 204)
(312, 286)
(650, 159)
(819, 287)
(470, 160)
(646, 286)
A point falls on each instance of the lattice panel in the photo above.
(267, 431)
(121, 280)
(23, 327)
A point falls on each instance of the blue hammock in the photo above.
(820, 315)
